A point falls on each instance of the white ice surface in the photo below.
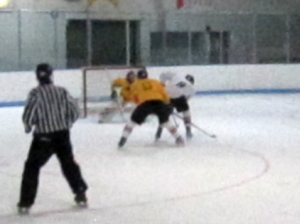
(249, 174)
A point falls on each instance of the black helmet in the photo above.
(142, 74)
(130, 77)
(190, 78)
(43, 73)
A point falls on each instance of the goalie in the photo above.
(121, 96)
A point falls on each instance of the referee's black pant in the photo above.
(43, 146)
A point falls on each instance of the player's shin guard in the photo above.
(126, 132)
(173, 131)
(187, 122)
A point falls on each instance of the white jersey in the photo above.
(177, 85)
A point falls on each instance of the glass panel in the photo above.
(109, 43)
(294, 39)
(198, 46)
(176, 48)
(76, 44)
(156, 48)
(134, 43)
(271, 39)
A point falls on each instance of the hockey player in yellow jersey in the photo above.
(151, 98)
(122, 102)
(145, 89)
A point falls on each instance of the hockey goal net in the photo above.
(97, 86)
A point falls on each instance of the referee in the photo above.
(51, 111)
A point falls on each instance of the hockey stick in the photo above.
(121, 110)
(198, 128)
(175, 121)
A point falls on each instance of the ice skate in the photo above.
(189, 134)
(81, 200)
(122, 142)
(179, 141)
(23, 209)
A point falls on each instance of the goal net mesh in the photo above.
(97, 86)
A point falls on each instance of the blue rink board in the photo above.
(199, 93)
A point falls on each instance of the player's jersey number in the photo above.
(146, 86)
(181, 84)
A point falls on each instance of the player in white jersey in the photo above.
(179, 88)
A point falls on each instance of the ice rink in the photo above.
(249, 174)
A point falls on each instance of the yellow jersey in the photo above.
(148, 89)
(125, 88)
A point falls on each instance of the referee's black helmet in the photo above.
(43, 73)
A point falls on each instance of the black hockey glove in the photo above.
(27, 129)
(114, 95)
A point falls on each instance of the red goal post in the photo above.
(96, 86)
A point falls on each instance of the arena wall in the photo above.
(229, 79)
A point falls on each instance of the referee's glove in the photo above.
(27, 128)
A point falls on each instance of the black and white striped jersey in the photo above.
(50, 108)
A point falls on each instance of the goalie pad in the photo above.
(111, 111)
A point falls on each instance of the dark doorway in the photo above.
(113, 43)
(109, 43)
(219, 46)
(76, 44)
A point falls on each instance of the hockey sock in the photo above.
(172, 129)
(158, 132)
(128, 129)
(187, 120)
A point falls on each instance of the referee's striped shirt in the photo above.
(50, 108)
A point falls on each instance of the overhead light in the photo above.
(4, 3)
